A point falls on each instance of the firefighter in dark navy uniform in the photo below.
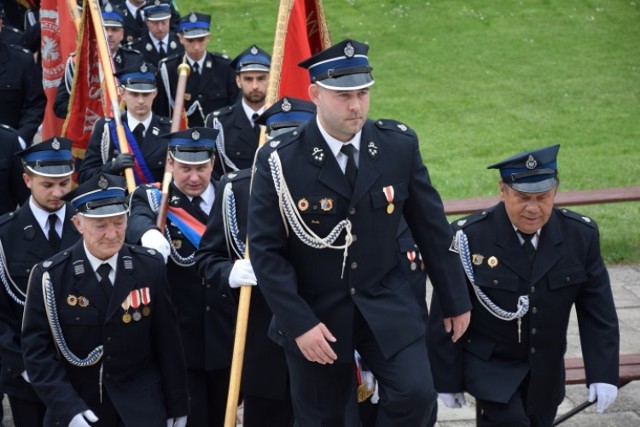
(100, 335)
(12, 186)
(21, 90)
(33, 233)
(324, 213)
(220, 261)
(527, 263)
(206, 312)
(123, 57)
(212, 82)
(143, 128)
(239, 134)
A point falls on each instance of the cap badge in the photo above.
(254, 50)
(349, 50)
(531, 163)
(103, 183)
(158, 3)
(55, 144)
(286, 105)
(143, 67)
(108, 8)
(193, 17)
(195, 135)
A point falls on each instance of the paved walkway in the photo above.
(625, 412)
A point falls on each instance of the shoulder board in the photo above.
(583, 219)
(129, 49)
(134, 41)
(468, 220)
(55, 260)
(7, 217)
(6, 128)
(164, 120)
(11, 29)
(393, 125)
(281, 141)
(221, 55)
(152, 253)
(236, 176)
(21, 49)
(173, 57)
(224, 111)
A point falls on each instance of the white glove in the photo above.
(604, 393)
(80, 420)
(453, 400)
(24, 375)
(155, 240)
(177, 422)
(242, 274)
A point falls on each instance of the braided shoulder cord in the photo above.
(69, 70)
(299, 227)
(104, 143)
(226, 161)
(230, 222)
(523, 300)
(56, 330)
(7, 282)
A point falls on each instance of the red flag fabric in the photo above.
(58, 41)
(86, 100)
(307, 34)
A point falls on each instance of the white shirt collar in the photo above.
(95, 263)
(335, 145)
(133, 122)
(42, 217)
(165, 41)
(208, 197)
(133, 9)
(534, 240)
(249, 111)
(200, 62)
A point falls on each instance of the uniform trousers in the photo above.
(265, 412)
(208, 391)
(326, 395)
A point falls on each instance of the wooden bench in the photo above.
(569, 198)
(575, 374)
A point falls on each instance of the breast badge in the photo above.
(492, 262)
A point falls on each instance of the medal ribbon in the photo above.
(389, 193)
(411, 255)
(134, 296)
(146, 297)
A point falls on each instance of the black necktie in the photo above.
(256, 127)
(528, 245)
(195, 76)
(139, 19)
(201, 214)
(103, 271)
(161, 51)
(54, 239)
(138, 133)
(351, 171)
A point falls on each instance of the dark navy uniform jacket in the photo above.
(142, 370)
(264, 370)
(215, 88)
(12, 187)
(303, 285)
(567, 270)
(240, 138)
(145, 46)
(153, 148)
(24, 245)
(206, 311)
(21, 91)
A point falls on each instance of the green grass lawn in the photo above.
(480, 81)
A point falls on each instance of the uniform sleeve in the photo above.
(268, 250)
(141, 217)
(92, 164)
(18, 188)
(61, 103)
(425, 215)
(34, 102)
(45, 371)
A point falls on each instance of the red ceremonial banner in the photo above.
(307, 34)
(58, 41)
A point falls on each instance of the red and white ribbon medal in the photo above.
(146, 299)
(134, 295)
(411, 255)
(389, 193)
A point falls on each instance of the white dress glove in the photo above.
(453, 400)
(80, 420)
(604, 393)
(242, 274)
(177, 422)
(24, 376)
(155, 240)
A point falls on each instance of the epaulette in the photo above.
(280, 141)
(468, 220)
(55, 260)
(134, 41)
(129, 49)
(169, 58)
(236, 176)
(11, 29)
(164, 120)
(143, 250)
(6, 128)
(221, 55)
(578, 217)
(7, 217)
(224, 111)
(21, 49)
(396, 126)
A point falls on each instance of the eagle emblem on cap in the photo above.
(193, 17)
(55, 144)
(254, 50)
(349, 50)
(143, 67)
(103, 183)
(286, 105)
(531, 163)
(108, 8)
(195, 135)
(158, 3)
